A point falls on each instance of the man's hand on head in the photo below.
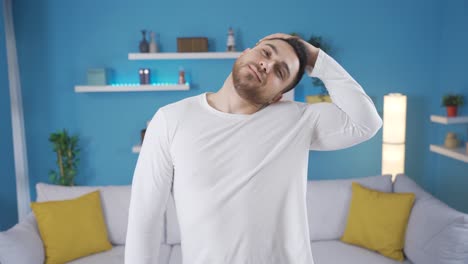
(312, 51)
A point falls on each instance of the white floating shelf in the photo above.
(183, 55)
(131, 88)
(458, 153)
(136, 149)
(449, 120)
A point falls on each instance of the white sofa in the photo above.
(436, 233)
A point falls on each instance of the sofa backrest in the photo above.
(115, 204)
(436, 233)
(327, 206)
(328, 203)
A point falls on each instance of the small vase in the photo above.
(144, 46)
(153, 47)
(231, 42)
(181, 76)
(452, 111)
(451, 140)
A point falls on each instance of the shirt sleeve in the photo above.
(350, 119)
(151, 185)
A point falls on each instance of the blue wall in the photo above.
(388, 46)
(8, 205)
(449, 177)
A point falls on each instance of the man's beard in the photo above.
(246, 86)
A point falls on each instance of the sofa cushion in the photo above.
(22, 243)
(404, 184)
(337, 252)
(73, 228)
(115, 203)
(436, 233)
(172, 223)
(113, 256)
(116, 256)
(328, 204)
(378, 220)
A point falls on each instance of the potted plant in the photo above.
(451, 102)
(66, 148)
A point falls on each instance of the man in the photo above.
(236, 160)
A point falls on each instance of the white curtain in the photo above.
(17, 119)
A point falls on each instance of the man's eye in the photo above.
(266, 53)
(280, 74)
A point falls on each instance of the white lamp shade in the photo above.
(393, 158)
(394, 118)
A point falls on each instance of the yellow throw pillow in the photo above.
(71, 229)
(378, 220)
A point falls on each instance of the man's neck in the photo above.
(228, 100)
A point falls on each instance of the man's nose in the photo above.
(264, 66)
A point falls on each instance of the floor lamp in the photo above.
(394, 131)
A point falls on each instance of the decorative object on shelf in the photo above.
(99, 76)
(451, 141)
(67, 150)
(144, 75)
(394, 133)
(451, 102)
(142, 134)
(196, 44)
(231, 42)
(153, 46)
(181, 76)
(451, 144)
(144, 46)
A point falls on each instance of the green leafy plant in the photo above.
(452, 100)
(66, 148)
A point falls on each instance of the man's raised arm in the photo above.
(350, 119)
(152, 180)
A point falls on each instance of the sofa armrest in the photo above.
(22, 243)
(436, 233)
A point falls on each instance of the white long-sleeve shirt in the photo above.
(239, 180)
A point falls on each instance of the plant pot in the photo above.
(451, 110)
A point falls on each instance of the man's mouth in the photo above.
(255, 72)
